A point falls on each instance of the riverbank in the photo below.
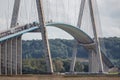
(60, 77)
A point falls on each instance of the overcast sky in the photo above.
(110, 17)
(109, 11)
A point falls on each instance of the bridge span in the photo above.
(11, 53)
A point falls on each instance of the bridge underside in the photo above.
(84, 40)
(11, 49)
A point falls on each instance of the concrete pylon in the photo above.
(82, 5)
(97, 56)
(97, 44)
(15, 13)
(16, 43)
(105, 67)
(72, 66)
(93, 62)
(44, 36)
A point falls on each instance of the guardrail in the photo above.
(17, 29)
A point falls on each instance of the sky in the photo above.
(109, 13)
(110, 17)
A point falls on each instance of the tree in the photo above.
(58, 66)
(79, 67)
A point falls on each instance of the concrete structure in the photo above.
(11, 56)
(72, 65)
(11, 50)
(94, 56)
(44, 37)
(84, 40)
(97, 44)
(11, 45)
(78, 34)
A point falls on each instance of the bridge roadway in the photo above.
(78, 34)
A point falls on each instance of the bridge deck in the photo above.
(18, 33)
(78, 34)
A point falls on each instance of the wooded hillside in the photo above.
(61, 51)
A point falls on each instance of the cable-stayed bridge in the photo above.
(11, 44)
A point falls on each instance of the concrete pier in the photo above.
(93, 62)
(11, 56)
(19, 55)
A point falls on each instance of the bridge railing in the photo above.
(17, 29)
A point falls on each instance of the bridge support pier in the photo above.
(93, 62)
(4, 58)
(105, 67)
(72, 65)
(19, 55)
(14, 56)
(16, 43)
(11, 56)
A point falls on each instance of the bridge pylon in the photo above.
(44, 36)
(93, 55)
(11, 49)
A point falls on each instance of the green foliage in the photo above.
(66, 64)
(79, 67)
(63, 48)
(113, 47)
(34, 66)
(59, 48)
(58, 65)
(61, 51)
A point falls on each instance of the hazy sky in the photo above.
(110, 16)
(109, 11)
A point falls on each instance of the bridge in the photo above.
(11, 43)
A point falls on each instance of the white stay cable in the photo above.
(26, 11)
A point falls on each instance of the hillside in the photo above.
(61, 51)
(63, 48)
